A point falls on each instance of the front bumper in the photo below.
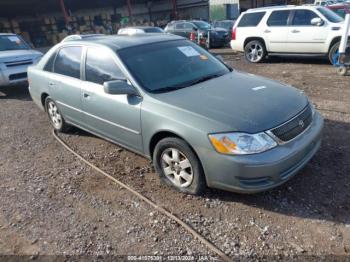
(13, 76)
(260, 172)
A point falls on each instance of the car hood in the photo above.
(239, 102)
(15, 55)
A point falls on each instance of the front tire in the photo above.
(178, 166)
(255, 51)
(55, 116)
(333, 54)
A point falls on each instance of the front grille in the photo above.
(295, 126)
(18, 76)
(19, 63)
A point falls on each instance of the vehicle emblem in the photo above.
(301, 123)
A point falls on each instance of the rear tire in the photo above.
(255, 51)
(56, 119)
(178, 166)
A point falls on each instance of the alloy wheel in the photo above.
(55, 115)
(177, 167)
(255, 52)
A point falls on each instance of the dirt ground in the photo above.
(53, 204)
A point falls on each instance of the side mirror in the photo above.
(317, 21)
(119, 87)
(195, 28)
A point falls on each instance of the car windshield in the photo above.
(12, 42)
(171, 65)
(202, 25)
(330, 15)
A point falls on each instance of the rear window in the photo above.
(153, 30)
(251, 19)
(278, 18)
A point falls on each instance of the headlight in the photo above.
(241, 143)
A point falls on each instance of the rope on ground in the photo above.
(162, 210)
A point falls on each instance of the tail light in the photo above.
(193, 36)
(234, 32)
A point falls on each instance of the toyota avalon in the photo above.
(162, 96)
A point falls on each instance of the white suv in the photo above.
(287, 30)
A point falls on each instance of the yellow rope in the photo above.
(162, 210)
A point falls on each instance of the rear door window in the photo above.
(49, 64)
(100, 67)
(303, 17)
(180, 26)
(68, 61)
(278, 18)
(251, 19)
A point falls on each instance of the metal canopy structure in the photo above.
(17, 8)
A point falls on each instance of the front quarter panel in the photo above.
(157, 117)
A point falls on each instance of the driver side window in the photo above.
(100, 67)
(303, 17)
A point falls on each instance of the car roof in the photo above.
(140, 27)
(281, 7)
(117, 42)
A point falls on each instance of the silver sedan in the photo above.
(200, 121)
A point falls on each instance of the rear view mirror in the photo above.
(317, 21)
(119, 87)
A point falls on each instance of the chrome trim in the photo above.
(279, 141)
(99, 118)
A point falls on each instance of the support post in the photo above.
(129, 10)
(64, 11)
(174, 9)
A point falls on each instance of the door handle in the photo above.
(295, 31)
(51, 83)
(267, 31)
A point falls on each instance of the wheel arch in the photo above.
(252, 38)
(334, 40)
(43, 98)
(161, 134)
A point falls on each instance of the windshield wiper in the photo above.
(203, 79)
(191, 83)
(168, 89)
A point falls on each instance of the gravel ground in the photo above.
(52, 204)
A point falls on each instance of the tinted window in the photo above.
(49, 64)
(251, 19)
(202, 25)
(188, 26)
(278, 18)
(180, 26)
(303, 17)
(68, 61)
(153, 30)
(100, 67)
(185, 63)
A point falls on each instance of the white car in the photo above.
(15, 57)
(287, 30)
